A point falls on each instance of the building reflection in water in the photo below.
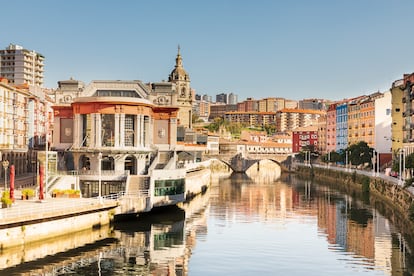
(161, 243)
(158, 243)
(349, 225)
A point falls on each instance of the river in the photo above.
(255, 224)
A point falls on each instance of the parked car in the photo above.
(394, 174)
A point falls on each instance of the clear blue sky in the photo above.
(294, 49)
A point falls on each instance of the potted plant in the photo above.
(27, 193)
(6, 201)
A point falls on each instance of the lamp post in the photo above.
(346, 160)
(329, 159)
(373, 162)
(5, 164)
(401, 168)
(378, 164)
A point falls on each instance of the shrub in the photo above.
(5, 199)
(28, 192)
(408, 182)
(411, 212)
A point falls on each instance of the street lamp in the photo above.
(347, 160)
(378, 164)
(329, 159)
(373, 162)
(401, 168)
(5, 164)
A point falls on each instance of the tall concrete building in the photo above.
(232, 98)
(21, 66)
(221, 98)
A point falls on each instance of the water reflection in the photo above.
(274, 224)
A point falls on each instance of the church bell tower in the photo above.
(183, 95)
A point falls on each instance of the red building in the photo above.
(302, 137)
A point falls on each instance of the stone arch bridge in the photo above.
(240, 163)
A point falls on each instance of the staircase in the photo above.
(137, 185)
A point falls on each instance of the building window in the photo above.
(108, 130)
(86, 130)
(129, 130)
(169, 187)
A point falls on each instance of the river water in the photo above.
(255, 224)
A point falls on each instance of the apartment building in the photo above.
(322, 134)
(249, 105)
(251, 119)
(271, 104)
(383, 120)
(304, 137)
(289, 119)
(219, 110)
(21, 66)
(331, 128)
(25, 120)
(341, 126)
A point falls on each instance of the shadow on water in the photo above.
(143, 222)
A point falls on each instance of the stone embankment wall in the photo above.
(197, 182)
(23, 233)
(392, 194)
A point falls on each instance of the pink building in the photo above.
(331, 128)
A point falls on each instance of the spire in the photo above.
(178, 60)
(178, 74)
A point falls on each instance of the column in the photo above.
(136, 131)
(150, 132)
(122, 130)
(77, 130)
(97, 129)
(142, 134)
(117, 130)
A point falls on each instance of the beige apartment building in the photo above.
(21, 66)
(25, 119)
(289, 119)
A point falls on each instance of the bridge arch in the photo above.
(259, 160)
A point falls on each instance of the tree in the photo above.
(409, 161)
(358, 154)
(332, 157)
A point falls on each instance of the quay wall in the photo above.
(197, 182)
(18, 234)
(33, 251)
(380, 190)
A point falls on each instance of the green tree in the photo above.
(332, 157)
(409, 161)
(358, 154)
(270, 129)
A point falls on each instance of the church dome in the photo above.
(178, 73)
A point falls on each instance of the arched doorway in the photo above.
(108, 163)
(130, 164)
(84, 162)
